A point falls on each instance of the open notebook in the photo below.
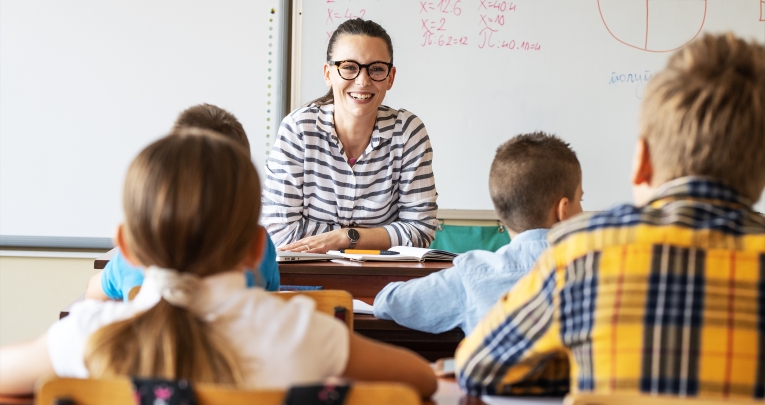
(406, 254)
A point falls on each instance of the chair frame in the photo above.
(338, 303)
(120, 392)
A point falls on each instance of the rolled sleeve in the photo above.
(283, 190)
(435, 303)
(417, 206)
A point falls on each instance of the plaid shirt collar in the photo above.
(697, 187)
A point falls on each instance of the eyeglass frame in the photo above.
(337, 64)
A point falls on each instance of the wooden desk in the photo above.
(364, 280)
(428, 345)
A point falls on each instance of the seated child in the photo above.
(119, 276)
(666, 296)
(534, 182)
(192, 206)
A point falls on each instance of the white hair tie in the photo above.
(175, 287)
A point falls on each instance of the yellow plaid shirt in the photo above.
(668, 298)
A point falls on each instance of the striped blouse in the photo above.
(311, 188)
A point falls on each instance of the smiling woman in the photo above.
(345, 170)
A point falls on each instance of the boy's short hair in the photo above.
(529, 174)
(704, 114)
(208, 116)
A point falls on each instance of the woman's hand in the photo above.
(332, 240)
(370, 238)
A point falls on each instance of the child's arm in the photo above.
(373, 361)
(435, 303)
(94, 290)
(115, 280)
(22, 364)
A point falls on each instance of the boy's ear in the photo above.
(561, 210)
(642, 170)
(255, 254)
(121, 243)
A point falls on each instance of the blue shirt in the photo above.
(120, 276)
(460, 296)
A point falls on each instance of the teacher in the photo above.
(346, 171)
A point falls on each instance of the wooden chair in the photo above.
(337, 303)
(120, 392)
(646, 399)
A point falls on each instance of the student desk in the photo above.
(364, 280)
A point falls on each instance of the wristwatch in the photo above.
(353, 235)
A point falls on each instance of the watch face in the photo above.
(353, 234)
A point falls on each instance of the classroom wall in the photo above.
(34, 289)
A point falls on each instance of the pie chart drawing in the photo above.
(653, 25)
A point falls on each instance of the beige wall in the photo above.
(34, 289)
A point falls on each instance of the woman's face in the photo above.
(361, 96)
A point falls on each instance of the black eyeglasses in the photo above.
(349, 69)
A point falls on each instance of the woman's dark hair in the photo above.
(356, 26)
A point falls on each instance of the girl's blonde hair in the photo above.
(192, 203)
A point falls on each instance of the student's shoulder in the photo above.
(87, 316)
(473, 260)
(280, 316)
(619, 216)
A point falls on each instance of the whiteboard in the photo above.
(86, 84)
(480, 71)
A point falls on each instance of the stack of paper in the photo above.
(361, 307)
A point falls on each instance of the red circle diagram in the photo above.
(653, 25)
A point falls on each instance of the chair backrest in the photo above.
(645, 399)
(120, 392)
(338, 303)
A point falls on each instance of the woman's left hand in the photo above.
(332, 240)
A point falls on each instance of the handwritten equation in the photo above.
(482, 24)
(490, 18)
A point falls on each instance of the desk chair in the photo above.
(646, 399)
(120, 392)
(337, 303)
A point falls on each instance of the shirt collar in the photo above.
(697, 187)
(532, 235)
(325, 123)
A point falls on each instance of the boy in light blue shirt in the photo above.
(535, 181)
(120, 276)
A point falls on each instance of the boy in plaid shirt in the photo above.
(667, 296)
